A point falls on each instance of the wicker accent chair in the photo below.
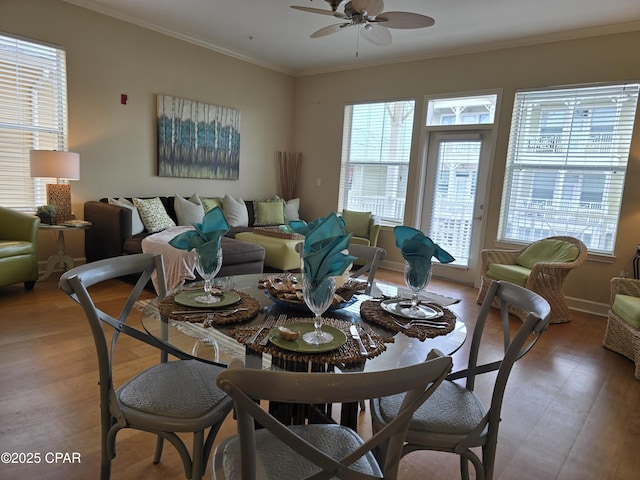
(545, 277)
(623, 324)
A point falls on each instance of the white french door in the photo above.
(457, 166)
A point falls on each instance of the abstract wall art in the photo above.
(197, 140)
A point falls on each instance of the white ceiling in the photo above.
(269, 33)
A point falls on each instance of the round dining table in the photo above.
(221, 335)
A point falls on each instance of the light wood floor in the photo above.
(571, 409)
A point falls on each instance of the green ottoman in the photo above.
(279, 253)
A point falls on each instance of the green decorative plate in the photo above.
(299, 345)
(187, 297)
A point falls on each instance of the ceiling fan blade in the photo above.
(320, 11)
(404, 20)
(373, 7)
(376, 34)
(329, 30)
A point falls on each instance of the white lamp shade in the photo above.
(54, 164)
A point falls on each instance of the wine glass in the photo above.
(318, 295)
(416, 276)
(208, 266)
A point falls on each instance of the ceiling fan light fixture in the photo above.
(334, 4)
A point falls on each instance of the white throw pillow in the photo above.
(189, 211)
(136, 222)
(235, 211)
(291, 209)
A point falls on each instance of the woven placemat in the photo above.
(196, 315)
(371, 311)
(349, 353)
(276, 232)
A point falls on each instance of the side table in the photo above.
(61, 259)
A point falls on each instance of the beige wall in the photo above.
(117, 143)
(320, 101)
(107, 57)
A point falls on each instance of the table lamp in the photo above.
(61, 166)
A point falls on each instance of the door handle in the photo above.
(479, 217)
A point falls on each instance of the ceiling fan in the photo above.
(368, 16)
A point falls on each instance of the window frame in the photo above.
(572, 153)
(389, 208)
(33, 88)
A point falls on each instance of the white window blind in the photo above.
(33, 115)
(566, 164)
(375, 158)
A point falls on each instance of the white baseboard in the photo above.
(586, 306)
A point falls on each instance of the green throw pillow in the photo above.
(548, 250)
(356, 222)
(209, 203)
(269, 212)
(153, 214)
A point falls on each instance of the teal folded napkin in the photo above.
(302, 227)
(323, 247)
(205, 239)
(418, 249)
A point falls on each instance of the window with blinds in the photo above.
(566, 164)
(375, 158)
(33, 115)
